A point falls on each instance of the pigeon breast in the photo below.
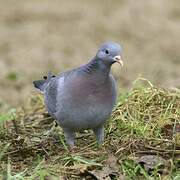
(82, 102)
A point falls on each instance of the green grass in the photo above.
(145, 122)
(12, 76)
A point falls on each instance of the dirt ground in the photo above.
(37, 36)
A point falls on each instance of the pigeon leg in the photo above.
(99, 133)
(69, 137)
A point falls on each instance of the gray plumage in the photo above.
(83, 98)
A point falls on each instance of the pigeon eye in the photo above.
(107, 52)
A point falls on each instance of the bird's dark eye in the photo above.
(107, 52)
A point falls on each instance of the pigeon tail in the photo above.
(42, 83)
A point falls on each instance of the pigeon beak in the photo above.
(118, 60)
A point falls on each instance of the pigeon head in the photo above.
(110, 53)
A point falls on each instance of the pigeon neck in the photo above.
(97, 66)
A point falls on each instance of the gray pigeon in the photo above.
(83, 98)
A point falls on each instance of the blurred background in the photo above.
(41, 35)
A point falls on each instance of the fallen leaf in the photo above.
(150, 162)
(109, 171)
